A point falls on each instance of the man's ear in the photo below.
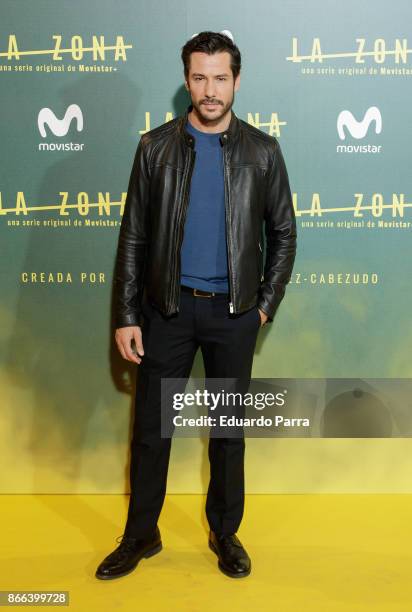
(237, 82)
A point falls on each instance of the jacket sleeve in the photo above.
(280, 231)
(132, 244)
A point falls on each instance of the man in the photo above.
(189, 273)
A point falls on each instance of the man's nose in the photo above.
(210, 89)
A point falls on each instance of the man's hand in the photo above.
(124, 337)
(263, 317)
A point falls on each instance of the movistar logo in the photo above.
(359, 129)
(59, 127)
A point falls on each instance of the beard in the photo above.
(211, 115)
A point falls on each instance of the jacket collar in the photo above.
(226, 137)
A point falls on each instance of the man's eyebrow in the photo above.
(200, 74)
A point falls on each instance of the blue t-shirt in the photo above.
(203, 253)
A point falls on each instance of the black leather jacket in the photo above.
(257, 193)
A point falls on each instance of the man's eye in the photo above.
(219, 78)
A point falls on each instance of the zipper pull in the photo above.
(230, 307)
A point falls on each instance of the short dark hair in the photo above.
(210, 43)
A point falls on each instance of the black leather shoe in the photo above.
(233, 559)
(125, 557)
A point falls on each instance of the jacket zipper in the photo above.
(180, 227)
(260, 263)
(228, 234)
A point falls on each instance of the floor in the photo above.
(309, 552)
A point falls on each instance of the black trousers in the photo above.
(227, 342)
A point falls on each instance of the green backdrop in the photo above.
(79, 84)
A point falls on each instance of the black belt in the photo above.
(201, 292)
